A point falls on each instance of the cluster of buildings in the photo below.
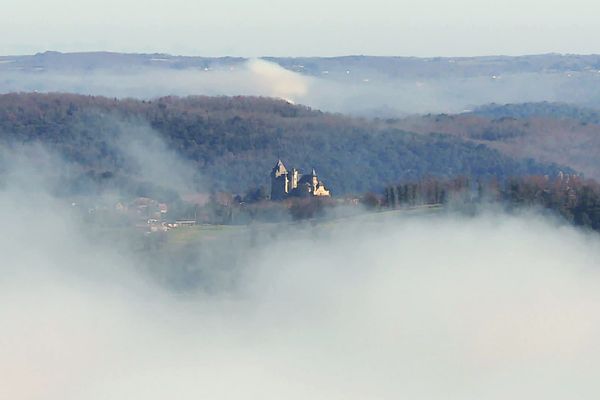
(143, 207)
(290, 183)
(154, 216)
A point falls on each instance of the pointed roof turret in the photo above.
(279, 169)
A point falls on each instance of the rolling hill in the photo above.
(547, 132)
(231, 143)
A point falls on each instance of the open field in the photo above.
(183, 236)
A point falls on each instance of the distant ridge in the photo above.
(387, 65)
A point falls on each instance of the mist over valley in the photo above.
(360, 85)
(348, 309)
(299, 227)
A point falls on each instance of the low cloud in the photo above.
(277, 80)
(255, 77)
(151, 160)
(423, 307)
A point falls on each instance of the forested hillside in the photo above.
(543, 109)
(547, 132)
(232, 143)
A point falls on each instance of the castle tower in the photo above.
(279, 181)
(314, 180)
(293, 176)
(318, 187)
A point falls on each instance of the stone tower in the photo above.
(293, 176)
(314, 180)
(279, 181)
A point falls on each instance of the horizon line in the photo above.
(356, 55)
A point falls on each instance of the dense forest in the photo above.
(231, 143)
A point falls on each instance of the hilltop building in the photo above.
(286, 183)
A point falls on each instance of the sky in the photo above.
(254, 28)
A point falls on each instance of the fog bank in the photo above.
(431, 307)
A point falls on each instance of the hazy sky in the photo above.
(309, 27)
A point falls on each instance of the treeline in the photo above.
(232, 142)
(574, 198)
(430, 191)
(570, 196)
